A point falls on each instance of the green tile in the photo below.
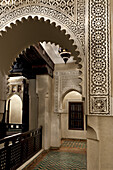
(63, 161)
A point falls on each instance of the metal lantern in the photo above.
(64, 54)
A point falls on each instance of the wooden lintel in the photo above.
(44, 55)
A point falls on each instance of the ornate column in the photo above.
(100, 120)
(99, 58)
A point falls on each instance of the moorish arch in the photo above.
(72, 95)
(68, 14)
(38, 21)
(25, 23)
(79, 24)
(69, 80)
(89, 27)
(30, 31)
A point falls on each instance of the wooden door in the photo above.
(76, 117)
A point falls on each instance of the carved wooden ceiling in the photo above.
(31, 62)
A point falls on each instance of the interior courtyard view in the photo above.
(56, 84)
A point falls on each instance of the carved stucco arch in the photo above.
(67, 26)
(98, 92)
(66, 81)
(69, 15)
(66, 92)
(24, 33)
(64, 23)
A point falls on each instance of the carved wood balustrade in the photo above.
(16, 149)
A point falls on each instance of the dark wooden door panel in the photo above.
(76, 115)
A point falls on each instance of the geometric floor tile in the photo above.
(55, 160)
(80, 144)
(70, 156)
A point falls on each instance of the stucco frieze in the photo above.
(65, 81)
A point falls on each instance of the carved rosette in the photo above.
(99, 76)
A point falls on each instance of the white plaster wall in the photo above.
(65, 132)
(56, 130)
(93, 155)
(44, 91)
(100, 145)
(73, 134)
(33, 105)
(106, 143)
(3, 87)
(55, 122)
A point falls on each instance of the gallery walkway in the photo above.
(71, 156)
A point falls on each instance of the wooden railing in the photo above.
(7, 129)
(17, 149)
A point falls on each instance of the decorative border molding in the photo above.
(99, 58)
(68, 6)
(56, 94)
(65, 81)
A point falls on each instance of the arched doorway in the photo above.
(73, 119)
(29, 31)
(43, 85)
(14, 107)
(13, 115)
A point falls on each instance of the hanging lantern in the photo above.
(64, 54)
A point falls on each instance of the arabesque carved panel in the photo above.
(99, 58)
(65, 81)
(70, 13)
(67, 6)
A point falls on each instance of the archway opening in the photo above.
(73, 117)
(13, 115)
(27, 33)
(41, 86)
(14, 107)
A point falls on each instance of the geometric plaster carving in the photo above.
(65, 81)
(99, 57)
(70, 13)
(67, 6)
(32, 31)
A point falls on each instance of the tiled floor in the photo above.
(71, 156)
(75, 144)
